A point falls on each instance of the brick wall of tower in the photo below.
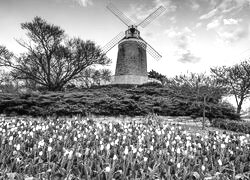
(131, 59)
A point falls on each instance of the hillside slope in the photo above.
(108, 101)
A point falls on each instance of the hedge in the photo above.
(236, 126)
(109, 101)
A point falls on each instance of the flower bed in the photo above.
(76, 148)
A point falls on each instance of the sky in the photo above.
(191, 35)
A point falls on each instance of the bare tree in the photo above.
(237, 79)
(51, 59)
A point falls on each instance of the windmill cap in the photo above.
(132, 39)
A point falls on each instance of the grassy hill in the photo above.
(109, 101)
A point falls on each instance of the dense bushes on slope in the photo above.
(242, 127)
(109, 101)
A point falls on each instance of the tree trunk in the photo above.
(204, 112)
(240, 105)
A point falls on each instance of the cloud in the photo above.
(182, 40)
(140, 11)
(173, 19)
(199, 24)
(168, 4)
(213, 24)
(84, 3)
(188, 57)
(209, 14)
(249, 26)
(225, 7)
(233, 34)
(231, 21)
(228, 6)
(194, 5)
(229, 30)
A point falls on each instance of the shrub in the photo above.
(222, 110)
(124, 86)
(151, 84)
(237, 126)
(110, 101)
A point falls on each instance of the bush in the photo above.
(237, 126)
(222, 110)
(151, 84)
(109, 101)
(123, 86)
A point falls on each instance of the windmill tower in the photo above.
(131, 65)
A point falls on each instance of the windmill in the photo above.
(131, 65)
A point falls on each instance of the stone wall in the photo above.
(130, 79)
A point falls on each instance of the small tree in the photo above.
(90, 77)
(85, 78)
(97, 78)
(5, 54)
(198, 90)
(51, 59)
(7, 83)
(237, 79)
(106, 75)
(155, 75)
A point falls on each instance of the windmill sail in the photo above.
(130, 32)
(152, 17)
(150, 50)
(119, 14)
(113, 42)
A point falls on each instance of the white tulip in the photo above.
(219, 162)
(18, 147)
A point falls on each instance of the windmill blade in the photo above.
(150, 50)
(113, 42)
(152, 17)
(119, 14)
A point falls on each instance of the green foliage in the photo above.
(241, 127)
(237, 80)
(5, 54)
(151, 84)
(221, 110)
(122, 86)
(112, 100)
(155, 75)
(200, 91)
(196, 87)
(7, 83)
